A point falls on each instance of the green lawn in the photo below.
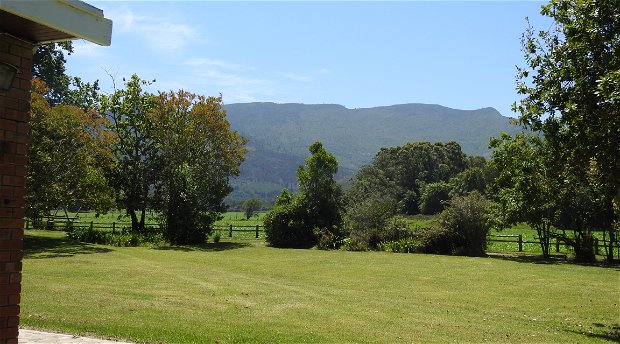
(246, 292)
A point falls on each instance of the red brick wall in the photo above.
(14, 128)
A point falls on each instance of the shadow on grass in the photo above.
(40, 247)
(208, 247)
(553, 260)
(609, 333)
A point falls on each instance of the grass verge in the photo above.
(245, 292)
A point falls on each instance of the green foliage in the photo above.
(321, 192)
(434, 196)
(365, 221)
(429, 240)
(399, 174)
(314, 215)
(525, 189)
(48, 65)
(468, 218)
(196, 155)
(250, 206)
(288, 225)
(175, 154)
(371, 223)
(570, 87)
(135, 149)
(69, 156)
(475, 177)
(105, 237)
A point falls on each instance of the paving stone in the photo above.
(39, 337)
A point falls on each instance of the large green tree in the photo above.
(571, 91)
(69, 155)
(48, 65)
(135, 149)
(525, 188)
(196, 155)
(399, 174)
(314, 216)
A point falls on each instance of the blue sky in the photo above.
(359, 54)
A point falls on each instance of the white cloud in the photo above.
(209, 63)
(297, 77)
(86, 49)
(160, 34)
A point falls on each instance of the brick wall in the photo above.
(14, 128)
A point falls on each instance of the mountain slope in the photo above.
(281, 133)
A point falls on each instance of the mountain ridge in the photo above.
(279, 136)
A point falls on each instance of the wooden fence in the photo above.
(519, 241)
(123, 227)
(257, 231)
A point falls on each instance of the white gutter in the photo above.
(73, 17)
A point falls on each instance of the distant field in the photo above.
(246, 292)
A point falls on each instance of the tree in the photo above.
(135, 150)
(571, 91)
(314, 215)
(48, 65)
(434, 196)
(195, 154)
(399, 174)
(525, 188)
(317, 184)
(69, 154)
(250, 206)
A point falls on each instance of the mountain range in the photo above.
(279, 136)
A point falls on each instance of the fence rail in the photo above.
(122, 227)
(519, 240)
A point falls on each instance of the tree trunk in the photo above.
(612, 234)
(543, 238)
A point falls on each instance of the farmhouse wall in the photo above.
(14, 130)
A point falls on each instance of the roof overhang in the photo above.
(54, 21)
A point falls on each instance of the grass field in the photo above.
(246, 292)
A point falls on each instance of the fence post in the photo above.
(520, 243)
(113, 227)
(256, 231)
(557, 245)
(27, 224)
(596, 250)
(230, 232)
(91, 226)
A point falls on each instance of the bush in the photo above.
(437, 241)
(364, 223)
(467, 217)
(286, 225)
(103, 237)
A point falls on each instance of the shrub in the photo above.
(365, 221)
(467, 217)
(103, 237)
(286, 225)
(434, 240)
(429, 240)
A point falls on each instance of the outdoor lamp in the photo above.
(7, 74)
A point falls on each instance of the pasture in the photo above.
(234, 292)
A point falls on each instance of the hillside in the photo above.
(280, 134)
